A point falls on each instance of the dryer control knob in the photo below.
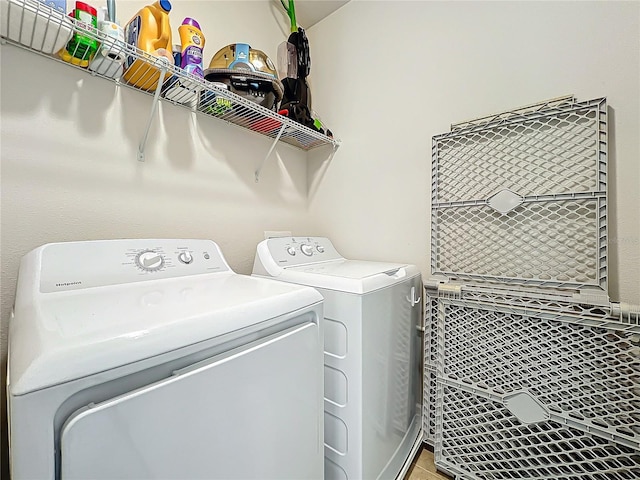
(185, 257)
(150, 261)
(291, 251)
(320, 248)
(306, 249)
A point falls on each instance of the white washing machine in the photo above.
(152, 359)
(372, 353)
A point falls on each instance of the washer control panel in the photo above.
(75, 265)
(290, 251)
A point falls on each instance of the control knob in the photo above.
(291, 251)
(185, 257)
(149, 261)
(306, 249)
(320, 248)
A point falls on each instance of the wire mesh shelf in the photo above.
(41, 29)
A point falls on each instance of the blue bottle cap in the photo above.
(165, 5)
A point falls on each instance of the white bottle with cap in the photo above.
(110, 57)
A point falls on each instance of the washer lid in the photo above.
(353, 276)
(314, 261)
(62, 336)
(354, 269)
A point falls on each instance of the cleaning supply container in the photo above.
(192, 41)
(150, 31)
(81, 48)
(189, 58)
(109, 59)
(247, 72)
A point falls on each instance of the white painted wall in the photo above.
(387, 76)
(69, 168)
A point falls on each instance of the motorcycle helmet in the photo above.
(247, 72)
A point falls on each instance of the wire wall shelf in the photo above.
(40, 29)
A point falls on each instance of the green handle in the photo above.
(292, 15)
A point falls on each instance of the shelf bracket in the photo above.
(154, 107)
(335, 149)
(273, 145)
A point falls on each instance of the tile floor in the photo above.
(423, 468)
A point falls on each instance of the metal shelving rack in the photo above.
(36, 27)
(530, 371)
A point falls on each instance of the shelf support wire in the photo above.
(154, 107)
(334, 150)
(273, 145)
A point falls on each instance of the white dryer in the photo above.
(372, 359)
(152, 359)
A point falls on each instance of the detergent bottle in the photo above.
(150, 31)
(192, 41)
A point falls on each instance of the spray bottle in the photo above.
(192, 41)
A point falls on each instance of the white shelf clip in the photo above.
(154, 107)
(273, 145)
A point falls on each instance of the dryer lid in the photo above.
(62, 336)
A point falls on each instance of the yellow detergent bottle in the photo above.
(150, 31)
